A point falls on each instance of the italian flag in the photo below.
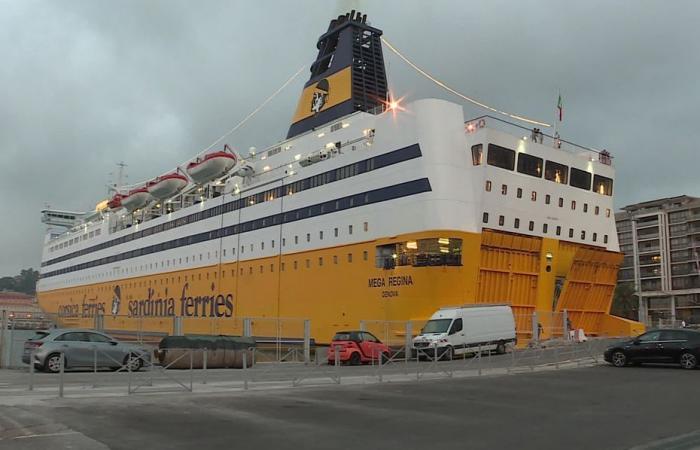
(560, 107)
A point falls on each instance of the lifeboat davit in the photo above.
(136, 198)
(115, 202)
(210, 166)
(167, 186)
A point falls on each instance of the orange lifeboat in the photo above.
(115, 202)
(211, 166)
(167, 186)
(135, 199)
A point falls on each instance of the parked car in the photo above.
(466, 329)
(81, 348)
(357, 347)
(657, 346)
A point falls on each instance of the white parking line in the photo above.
(30, 436)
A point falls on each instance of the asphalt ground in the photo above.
(599, 407)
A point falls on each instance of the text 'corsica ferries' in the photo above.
(366, 211)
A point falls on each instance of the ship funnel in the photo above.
(347, 76)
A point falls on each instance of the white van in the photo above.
(465, 329)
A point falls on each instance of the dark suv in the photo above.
(658, 346)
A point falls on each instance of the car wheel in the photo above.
(355, 359)
(53, 363)
(688, 361)
(619, 359)
(132, 362)
(501, 348)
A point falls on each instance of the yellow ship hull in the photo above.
(337, 287)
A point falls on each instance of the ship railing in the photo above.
(537, 135)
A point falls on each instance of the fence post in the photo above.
(535, 328)
(177, 326)
(204, 366)
(245, 369)
(362, 325)
(31, 370)
(3, 328)
(60, 375)
(307, 341)
(99, 322)
(409, 342)
(565, 324)
(247, 327)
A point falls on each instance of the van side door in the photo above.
(456, 333)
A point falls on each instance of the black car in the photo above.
(659, 347)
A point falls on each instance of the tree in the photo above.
(625, 303)
(25, 282)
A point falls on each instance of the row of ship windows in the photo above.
(350, 170)
(75, 240)
(545, 228)
(531, 165)
(250, 270)
(547, 198)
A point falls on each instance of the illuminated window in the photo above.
(556, 172)
(501, 157)
(477, 154)
(602, 185)
(530, 165)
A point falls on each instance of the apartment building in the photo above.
(661, 243)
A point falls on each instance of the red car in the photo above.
(357, 347)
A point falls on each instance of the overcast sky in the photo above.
(86, 84)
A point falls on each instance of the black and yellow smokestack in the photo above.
(347, 76)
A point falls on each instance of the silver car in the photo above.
(82, 348)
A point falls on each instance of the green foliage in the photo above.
(25, 282)
(625, 302)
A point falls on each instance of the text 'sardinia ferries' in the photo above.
(364, 212)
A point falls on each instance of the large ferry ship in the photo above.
(370, 209)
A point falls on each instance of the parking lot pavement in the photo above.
(597, 407)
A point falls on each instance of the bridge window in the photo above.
(580, 179)
(516, 223)
(519, 193)
(501, 157)
(530, 165)
(485, 217)
(488, 186)
(602, 185)
(556, 172)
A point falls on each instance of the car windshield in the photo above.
(437, 326)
